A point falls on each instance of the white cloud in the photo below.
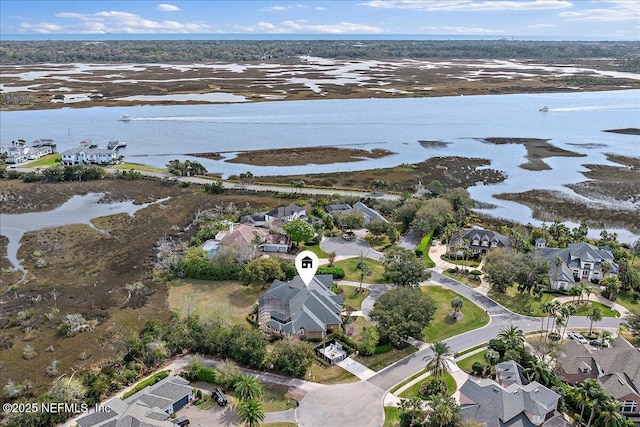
(462, 30)
(535, 26)
(468, 5)
(320, 8)
(115, 22)
(276, 8)
(167, 7)
(302, 27)
(628, 10)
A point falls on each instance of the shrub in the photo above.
(382, 348)
(433, 388)
(475, 272)
(336, 272)
(157, 377)
(207, 375)
(477, 368)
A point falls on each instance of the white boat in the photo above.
(544, 109)
(115, 144)
(125, 118)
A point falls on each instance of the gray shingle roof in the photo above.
(485, 235)
(171, 388)
(338, 207)
(499, 406)
(298, 306)
(364, 209)
(283, 211)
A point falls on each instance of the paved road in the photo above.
(500, 318)
(352, 248)
(411, 240)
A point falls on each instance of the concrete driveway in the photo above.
(355, 404)
(349, 248)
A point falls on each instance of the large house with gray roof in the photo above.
(294, 309)
(510, 400)
(480, 241)
(150, 407)
(579, 261)
(616, 368)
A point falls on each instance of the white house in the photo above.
(577, 262)
(88, 155)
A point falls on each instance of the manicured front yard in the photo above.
(442, 326)
(624, 299)
(462, 262)
(353, 274)
(329, 375)
(527, 304)
(315, 249)
(353, 297)
(45, 161)
(230, 299)
(137, 167)
(391, 416)
(466, 363)
(468, 280)
(412, 392)
(584, 309)
(377, 362)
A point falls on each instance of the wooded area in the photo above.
(620, 55)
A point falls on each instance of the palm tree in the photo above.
(539, 372)
(438, 364)
(575, 291)
(555, 308)
(512, 334)
(595, 315)
(587, 290)
(250, 412)
(607, 336)
(608, 415)
(444, 411)
(566, 311)
(605, 267)
(456, 304)
(492, 357)
(585, 390)
(547, 307)
(558, 263)
(248, 387)
(600, 399)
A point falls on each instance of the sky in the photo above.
(592, 19)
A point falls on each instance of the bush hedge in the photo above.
(337, 272)
(155, 378)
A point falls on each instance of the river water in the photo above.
(158, 134)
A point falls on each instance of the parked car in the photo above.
(598, 343)
(578, 337)
(182, 421)
(219, 396)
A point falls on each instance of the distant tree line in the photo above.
(624, 53)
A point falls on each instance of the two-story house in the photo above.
(579, 261)
(480, 241)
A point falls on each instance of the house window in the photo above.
(629, 406)
(494, 244)
(476, 242)
(586, 371)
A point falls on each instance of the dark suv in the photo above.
(219, 397)
(598, 343)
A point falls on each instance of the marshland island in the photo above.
(473, 204)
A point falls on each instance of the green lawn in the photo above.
(425, 247)
(378, 362)
(228, 299)
(315, 249)
(466, 363)
(274, 399)
(472, 283)
(391, 416)
(624, 299)
(353, 298)
(526, 304)
(442, 327)
(330, 374)
(137, 167)
(45, 161)
(467, 263)
(584, 309)
(379, 243)
(412, 391)
(352, 273)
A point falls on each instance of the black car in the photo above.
(598, 343)
(182, 421)
(219, 397)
